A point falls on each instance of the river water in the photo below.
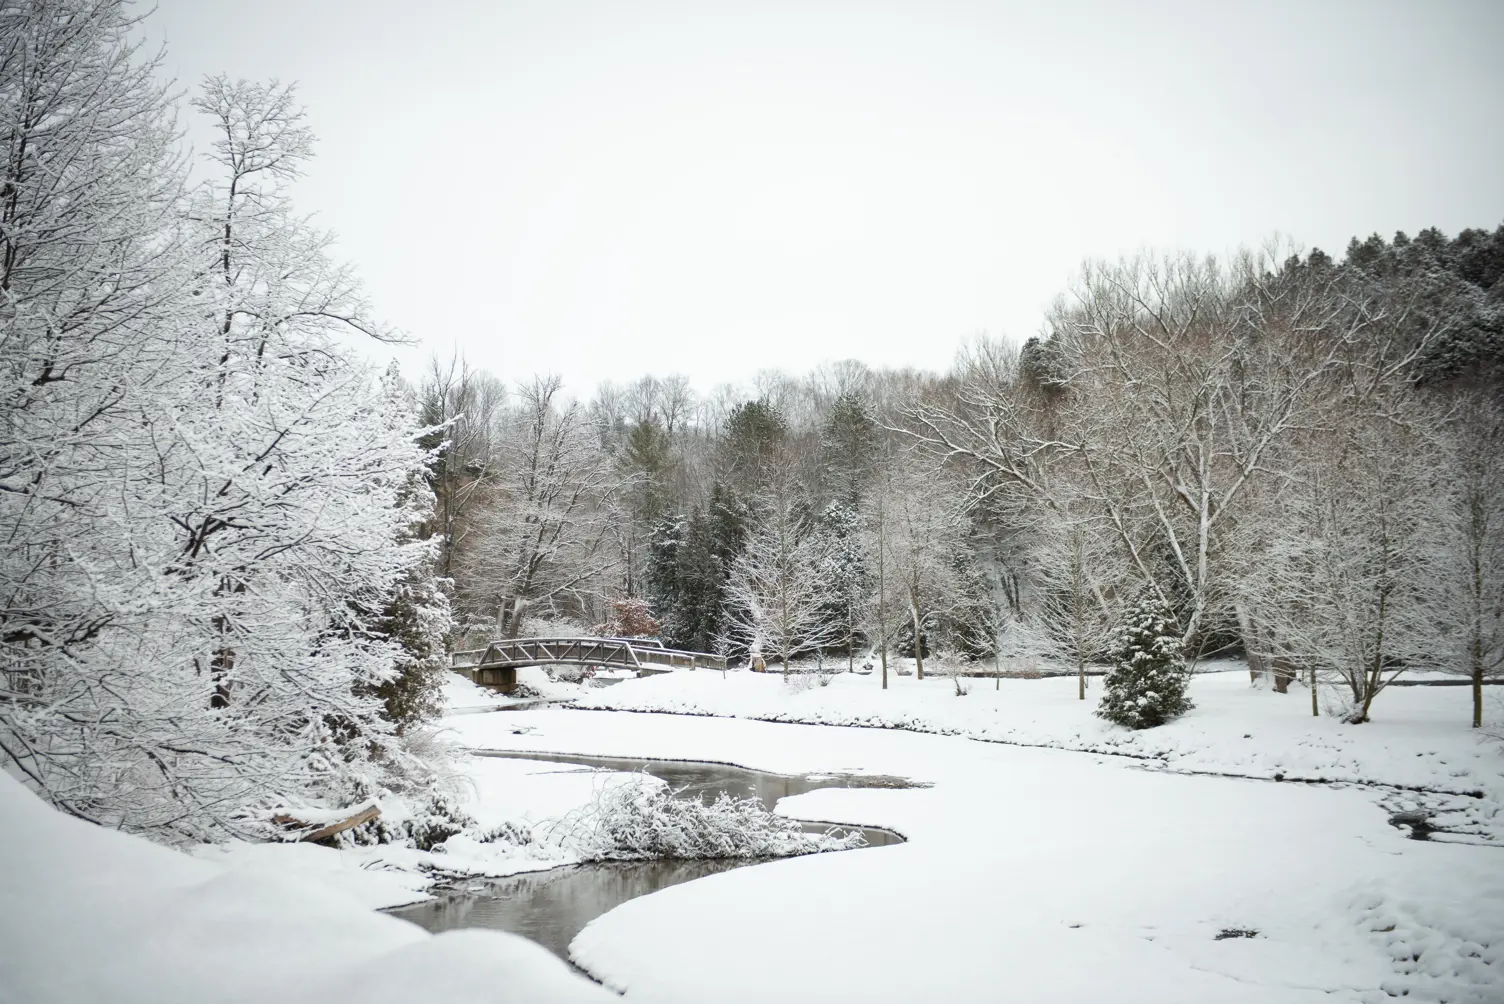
(551, 907)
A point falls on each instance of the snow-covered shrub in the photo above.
(424, 827)
(509, 832)
(546, 623)
(798, 683)
(570, 674)
(642, 820)
(629, 618)
(1147, 683)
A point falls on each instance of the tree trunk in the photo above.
(508, 618)
(918, 636)
(1477, 660)
(1478, 696)
(1251, 645)
(1283, 674)
(882, 595)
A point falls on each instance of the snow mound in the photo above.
(88, 914)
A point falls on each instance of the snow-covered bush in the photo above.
(510, 832)
(424, 827)
(570, 674)
(629, 618)
(640, 820)
(1147, 683)
(798, 683)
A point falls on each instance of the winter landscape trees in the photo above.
(209, 501)
(231, 545)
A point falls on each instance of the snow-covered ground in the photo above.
(493, 791)
(92, 915)
(463, 697)
(1042, 875)
(1419, 737)
(1065, 860)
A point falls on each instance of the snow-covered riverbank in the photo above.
(1419, 737)
(92, 915)
(1039, 874)
(1042, 875)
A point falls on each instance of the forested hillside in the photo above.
(236, 555)
(1299, 457)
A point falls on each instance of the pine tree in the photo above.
(417, 614)
(1148, 680)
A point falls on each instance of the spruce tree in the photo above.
(1148, 680)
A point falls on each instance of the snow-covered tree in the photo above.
(1474, 548)
(195, 642)
(1352, 584)
(1073, 565)
(461, 405)
(924, 535)
(92, 277)
(541, 534)
(1146, 685)
(842, 558)
(417, 613)
(775, 596)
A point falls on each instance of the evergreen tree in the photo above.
(665, 587)
(843, 573)
(848, 450)
(1148, 680)
(417, 615)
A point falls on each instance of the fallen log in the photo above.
(365, 815)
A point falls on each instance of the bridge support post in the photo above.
(504, 679)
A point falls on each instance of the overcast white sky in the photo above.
(603, 190)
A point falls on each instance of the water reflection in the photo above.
(552, 907)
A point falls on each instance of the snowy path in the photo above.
(1038, 875)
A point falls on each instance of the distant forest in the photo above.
(1300, 457)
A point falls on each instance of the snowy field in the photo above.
(1065, 860)
(1419, 737)
(91, 915)
(1046, 875)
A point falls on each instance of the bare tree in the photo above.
(776, 597)
(924, 534)
(1475, 547)
(463, 406)
(541, 532)
(1353, 586)
(1079, 609)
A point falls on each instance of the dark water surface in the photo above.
(551, 907)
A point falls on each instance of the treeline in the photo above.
(234, 556)
(1298, 457)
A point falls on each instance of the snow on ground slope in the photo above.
(88, 914)
(494, 792)
(1419, 736)
(460, 696)
(1043, 876)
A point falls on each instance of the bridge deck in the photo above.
(496, 664)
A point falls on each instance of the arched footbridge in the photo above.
(496, 665)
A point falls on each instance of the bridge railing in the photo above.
(681, 659)
(618, 652)
(466, 659)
